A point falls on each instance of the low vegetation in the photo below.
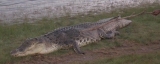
(149, 58)
(144, 29)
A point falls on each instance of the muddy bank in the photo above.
(11, 10)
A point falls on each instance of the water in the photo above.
(11, 10)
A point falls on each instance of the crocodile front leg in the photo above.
(77, 48)
(111, 34)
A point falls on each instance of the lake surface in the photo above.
(11, 10)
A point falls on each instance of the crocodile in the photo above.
(74, 36)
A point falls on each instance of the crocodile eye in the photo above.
(21, 49)
(36, 38)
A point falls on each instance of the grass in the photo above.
(149, 58)
(144, 29)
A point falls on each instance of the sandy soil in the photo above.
(128, 47)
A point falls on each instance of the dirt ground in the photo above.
(70, 57)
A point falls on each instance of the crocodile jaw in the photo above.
(39, 49)
(51, 48)
(33, 49)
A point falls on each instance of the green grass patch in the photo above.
(144, 29)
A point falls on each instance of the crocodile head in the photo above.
(28, 47)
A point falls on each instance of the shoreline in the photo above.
(31, 10)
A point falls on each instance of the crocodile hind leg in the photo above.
(116, 33)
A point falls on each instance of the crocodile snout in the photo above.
(13, 52)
